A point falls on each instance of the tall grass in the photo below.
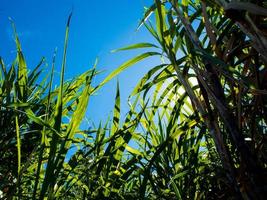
(196, 123)
(205, 41)
(43, 123)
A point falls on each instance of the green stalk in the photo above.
(18, 141)
(17, 134)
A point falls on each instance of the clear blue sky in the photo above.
(97, 27)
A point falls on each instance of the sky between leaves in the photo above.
(97, 27)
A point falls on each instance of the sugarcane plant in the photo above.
(220, 46)
(196, 125)
(39, 125)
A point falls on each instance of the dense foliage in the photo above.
(196, 126)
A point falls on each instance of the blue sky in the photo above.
(97, 27)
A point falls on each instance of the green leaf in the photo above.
(132, 150)
(116, 112)
(127, 64)
(136, 46)
(185, 3)
(148, 12)
(22, 68)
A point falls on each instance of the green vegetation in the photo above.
(196, 126)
